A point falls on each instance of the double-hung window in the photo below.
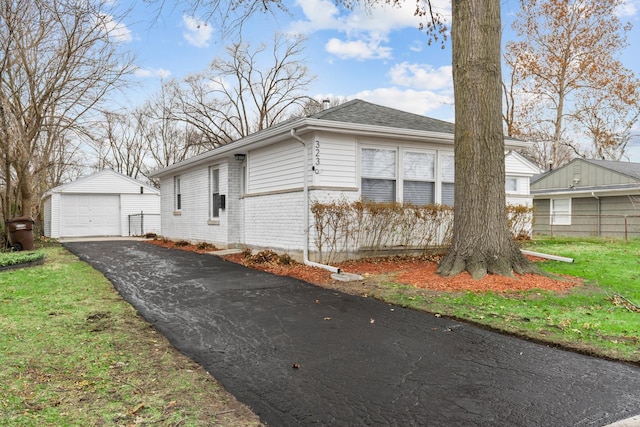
(177, 203)
(418, 178)
(447, 175)
(215, 203)
(560, 211)
(378, 172)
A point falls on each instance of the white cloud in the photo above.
(628, 8)
(198, 33)
(158, 72)
(357, 49)
(320, 14)
(422, 76)
(366, 29)
(377, 20)
(416, 101)
(117, 31)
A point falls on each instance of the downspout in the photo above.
(599, 213)
(305, 246)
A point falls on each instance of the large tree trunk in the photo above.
(481, 239)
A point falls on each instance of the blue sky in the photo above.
(377, 55)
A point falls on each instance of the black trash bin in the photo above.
(20, 233)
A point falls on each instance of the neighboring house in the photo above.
(588, 198)
(519, 171)
(256, 191)
(105, 203)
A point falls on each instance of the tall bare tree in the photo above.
(59, 60)
(566, 78)
(247, 90)
(481, 240)
(169, 138)
(120, 143)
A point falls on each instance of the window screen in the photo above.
(177, 192)
(447, 174)
(418, 192)
(418, 172)
(378, 170)
(214, 175)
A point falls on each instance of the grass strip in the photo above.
(74, 353)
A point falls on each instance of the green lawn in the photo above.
(589, 318)
(74, 353)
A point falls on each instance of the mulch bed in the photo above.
(417, 272)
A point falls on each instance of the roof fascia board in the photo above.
(267, 136)
(587, 193)
(303, 125)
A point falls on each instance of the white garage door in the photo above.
(89, 215)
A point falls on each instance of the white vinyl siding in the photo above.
(276, 168)
(333, 160)
(560, 211)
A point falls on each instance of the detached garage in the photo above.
(106, 203)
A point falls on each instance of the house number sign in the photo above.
(316, 157)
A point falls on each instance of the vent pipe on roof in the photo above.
(326, 104)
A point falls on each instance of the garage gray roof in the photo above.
(625, 168)
(366, 113)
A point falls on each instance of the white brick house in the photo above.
(252, 192)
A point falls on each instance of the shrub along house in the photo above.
(257, 191)
(588, 198)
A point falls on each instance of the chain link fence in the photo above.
(143, 223)
(578, 225)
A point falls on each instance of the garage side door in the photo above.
(89, 215)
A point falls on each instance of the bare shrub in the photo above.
(344, 227)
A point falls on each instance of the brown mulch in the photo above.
(183, 245)
(418, 272)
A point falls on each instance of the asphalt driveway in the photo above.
(361, 362)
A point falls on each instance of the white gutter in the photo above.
(305, 246)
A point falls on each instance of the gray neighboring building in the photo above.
(588, 198)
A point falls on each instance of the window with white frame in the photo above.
(447, 176)
(560, 211)
(215, 200)
(378, 174)
(418, 178)
(177, 203)
(511, 184)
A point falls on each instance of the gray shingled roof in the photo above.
(625, 168)
(362, 112)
